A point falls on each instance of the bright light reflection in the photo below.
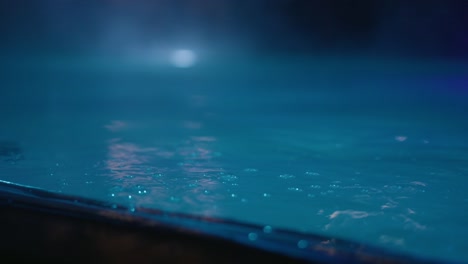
(183, 58)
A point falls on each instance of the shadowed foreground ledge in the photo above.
(45, 227)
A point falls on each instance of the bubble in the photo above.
(252, 236)
(302, 244)
(267, 229)
(266, 195)
(142, 192)
(250, 170)
(312, 173)
(233, 195)
(129, 197)
(294, 189)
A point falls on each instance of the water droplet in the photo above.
(252, 236)
(311, 195)
(312, 173)
(302, 243)
(129, 197)
(113, 195)
(132, 209)
(334, 186)
(243, 200)
(313, 186)
(287, 176)
(267, 229)
(206, 192)
(233, 195)
(266, 195)
(250, 170)
(129, 176)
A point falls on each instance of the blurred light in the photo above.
(183, 58)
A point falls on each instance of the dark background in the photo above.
(432, 28)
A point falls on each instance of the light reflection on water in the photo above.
(184, 177)
(310, 161)
(322, 180)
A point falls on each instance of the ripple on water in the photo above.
(228, 177)
(287, 176)
(294, 189)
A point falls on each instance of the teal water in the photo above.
(373, 151)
